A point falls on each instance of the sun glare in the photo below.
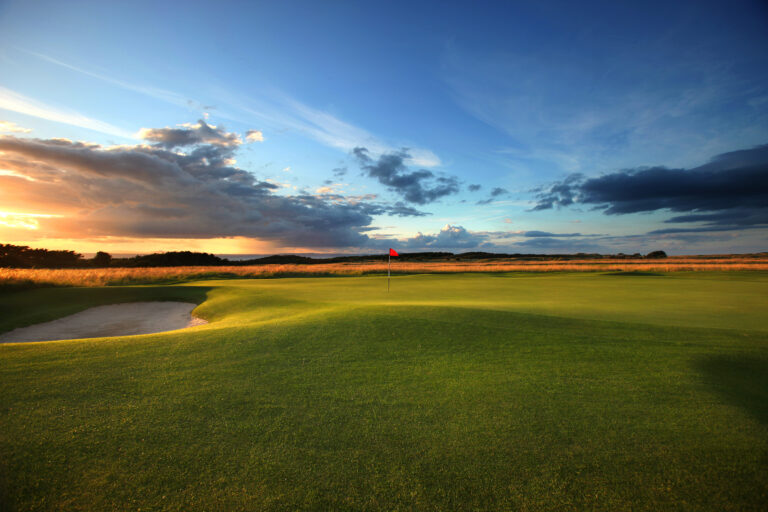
(22, 220)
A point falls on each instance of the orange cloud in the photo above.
(185, 186)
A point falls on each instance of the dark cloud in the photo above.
(743, 217)
(340, 172)
(370, 206)
(560, 193)
(153, 191)
(496, 192)
(419, 187)
(474, 188)
(400, 209)
(731, 190)
(192, 134)
(705, 229)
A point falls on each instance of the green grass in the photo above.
(452, 392)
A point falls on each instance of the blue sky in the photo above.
(514, 97)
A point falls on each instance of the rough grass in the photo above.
(452, 392)
(27, 278)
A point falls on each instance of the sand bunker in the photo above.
(112, 320)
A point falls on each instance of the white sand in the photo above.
(112, 320)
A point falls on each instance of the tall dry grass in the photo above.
(10, 277)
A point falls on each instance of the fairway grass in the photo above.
(451, 392)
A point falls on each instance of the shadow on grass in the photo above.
(741, 380)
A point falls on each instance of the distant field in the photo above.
(510, 391)
(127, 276)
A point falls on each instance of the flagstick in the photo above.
(389, 266)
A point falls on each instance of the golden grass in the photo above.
(125, 276)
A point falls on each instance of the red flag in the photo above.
(393, 252)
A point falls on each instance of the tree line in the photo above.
(18, 256)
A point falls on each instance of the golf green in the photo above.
(450, 392)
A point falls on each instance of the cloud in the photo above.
(705, 229)
(547, 234)
(400, 209)
(368, 203)
(159, 191)
(730, 190)
(496, 192)
(557, 244)
(558, 194)
(190, 134)
(449, 237)
(15, 102)
(329, 189)
(9, 127)
(419, 187)
(254, 136)
(457, 238)
(474, 188)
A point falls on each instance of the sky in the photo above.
(350, 127)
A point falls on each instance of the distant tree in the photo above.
(22, 256)
(656, 255)
(176, 259)
(13, 256)
(102, 259)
